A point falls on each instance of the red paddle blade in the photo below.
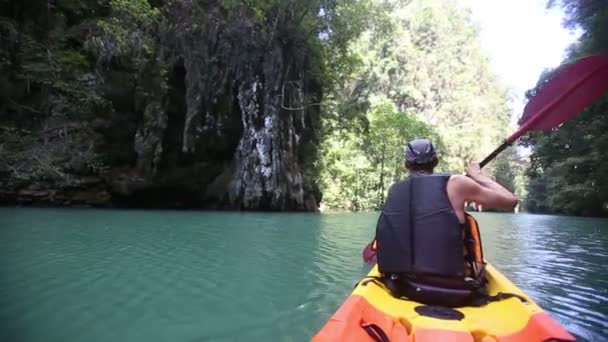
(368, 254)
(567, 92)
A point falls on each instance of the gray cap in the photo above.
(420, 151)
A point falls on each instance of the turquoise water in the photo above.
(112, 275)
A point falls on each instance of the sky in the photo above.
(521, 38)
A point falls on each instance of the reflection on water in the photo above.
(104, 275)
(559, 261)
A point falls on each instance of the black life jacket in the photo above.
(423, 247)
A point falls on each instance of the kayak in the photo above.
(371, 313)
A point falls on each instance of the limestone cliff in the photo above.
(187, 104)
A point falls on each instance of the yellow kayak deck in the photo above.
(508, 319)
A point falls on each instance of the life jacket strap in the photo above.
(480, 297)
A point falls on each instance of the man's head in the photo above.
(420, 155)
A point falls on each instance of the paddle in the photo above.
(564, 94)
(567, 92)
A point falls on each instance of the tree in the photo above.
(359, 168)
(421, 72)
(568, 166)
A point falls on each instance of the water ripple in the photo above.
(102, 275)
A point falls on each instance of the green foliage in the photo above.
(568, 167)
(127, 34)
(348, 178)
(325, 27)
(48, 155)
(47, 63)
(508, 169)
(358, 168)
(52, 86)
(334, 25)
(135, 12)
(432, 65)
(422, 58)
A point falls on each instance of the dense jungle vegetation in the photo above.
(269, 104)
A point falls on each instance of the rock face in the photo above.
(218, 119)
(239, 69)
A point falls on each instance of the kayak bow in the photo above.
(371, 313)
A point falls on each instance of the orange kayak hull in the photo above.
(508, 320)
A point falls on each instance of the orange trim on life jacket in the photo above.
(475, 234)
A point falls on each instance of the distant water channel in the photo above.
(69, 275)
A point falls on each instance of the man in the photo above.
(428, 247)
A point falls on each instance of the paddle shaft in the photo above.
(510, 140)
(494, 154)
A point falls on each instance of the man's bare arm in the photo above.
(485, 191)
